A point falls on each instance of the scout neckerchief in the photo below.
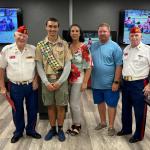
(46, 51)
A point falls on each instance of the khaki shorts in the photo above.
(59, 97)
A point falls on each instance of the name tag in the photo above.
(30, 57)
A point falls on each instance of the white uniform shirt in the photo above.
(136, 61)
(20, 66)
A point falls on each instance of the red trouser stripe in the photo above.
(144, 114)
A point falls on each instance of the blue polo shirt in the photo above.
(105, 59)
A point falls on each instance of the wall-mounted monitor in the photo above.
(134, 17)
(90, 36)
(10, 20)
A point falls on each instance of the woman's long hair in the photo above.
(81, 38)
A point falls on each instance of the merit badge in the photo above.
(29, 57)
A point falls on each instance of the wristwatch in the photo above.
(116, 82)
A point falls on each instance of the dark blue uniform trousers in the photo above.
(133, 95)
(18, 94)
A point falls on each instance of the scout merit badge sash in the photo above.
(48, 53)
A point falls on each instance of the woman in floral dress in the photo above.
(79, 76)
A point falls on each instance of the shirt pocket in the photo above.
(30, 60)
(12, 60)
(108, 60)
(59, 53)
(13, 64)
(140, 61)
(29, 65)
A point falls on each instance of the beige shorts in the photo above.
(59, 97)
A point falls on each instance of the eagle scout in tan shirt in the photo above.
(59, 50)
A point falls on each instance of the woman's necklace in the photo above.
(75, 47)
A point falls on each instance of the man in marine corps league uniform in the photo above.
(136, 67)
(53, 64)
(18, 60)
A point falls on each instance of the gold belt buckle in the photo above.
(128, 78)
(25, 82)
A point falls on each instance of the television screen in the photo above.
(10, 19)
(131, 18)
(91, 36)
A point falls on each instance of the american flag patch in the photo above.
(12, 57)
(125, 54)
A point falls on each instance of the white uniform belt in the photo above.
(131, 78)
(22, 82)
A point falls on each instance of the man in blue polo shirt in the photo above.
(106, 74)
